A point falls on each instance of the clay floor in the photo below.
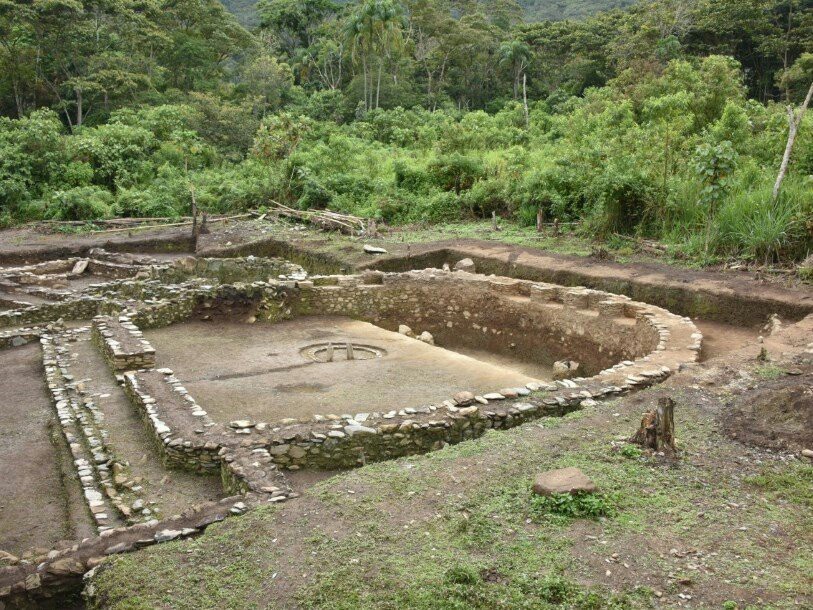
(237, 370)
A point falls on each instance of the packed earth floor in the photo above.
(275, 417)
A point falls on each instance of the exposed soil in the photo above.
(37, 506)
(693, 533)
(778, 414)
(166, 491)
(237, 370)
(720, 338)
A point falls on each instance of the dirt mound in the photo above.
(777, 415)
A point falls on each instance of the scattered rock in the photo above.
(463, 398)
(241, 423)
(167, 535)
(808, 453)
(773, 326)
(374, 249)
(466, 265)
(65, 567)
(80, 267)
(563, 480)
(562, 369)
(7, 559)
(406, 330)
(426, 337)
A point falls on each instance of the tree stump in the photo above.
(657, 431)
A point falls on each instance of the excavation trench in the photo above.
(249, 356)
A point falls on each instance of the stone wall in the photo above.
(230, 270)
(181, 428)
(122, 343)
(537, 322)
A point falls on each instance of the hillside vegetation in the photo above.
(665, 121)
(534, 10)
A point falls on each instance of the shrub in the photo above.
(80, 203)
(455, 171)
(631, 451)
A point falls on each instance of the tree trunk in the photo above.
(525, 101)
(540, 219)
(378, 84)
(364, 66)
(79, 116)
(18, 100)
(657, 431)
(794, 120)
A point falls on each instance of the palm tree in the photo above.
(517, 56)
(375, 31)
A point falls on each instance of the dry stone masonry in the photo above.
(619, 345)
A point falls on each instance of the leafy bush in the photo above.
(572, 506)
(631, 451)
(80, 203)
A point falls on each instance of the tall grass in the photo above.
(750, 223)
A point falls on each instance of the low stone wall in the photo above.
(231, 270)
(78, 422)
(18, 337)
(122, 343)
(181, 428)
(82, 308)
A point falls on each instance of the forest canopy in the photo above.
(666, 119)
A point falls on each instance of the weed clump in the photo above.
(572, 506)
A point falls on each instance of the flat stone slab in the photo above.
(562, 481)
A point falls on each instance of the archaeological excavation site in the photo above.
(232, 421)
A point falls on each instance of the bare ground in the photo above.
(166, 491)
(726, 523)
(237, 370)
(40, 499)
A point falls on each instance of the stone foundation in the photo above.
(122, 343)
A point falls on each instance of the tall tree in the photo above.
(375, 31)
(516, 55)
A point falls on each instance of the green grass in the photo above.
(793, 483)
(460, 528)
(769, 372)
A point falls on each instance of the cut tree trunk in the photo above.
(657, 431)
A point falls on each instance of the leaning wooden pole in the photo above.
(794, 120)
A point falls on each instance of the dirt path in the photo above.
(36, 508)
(166, 492)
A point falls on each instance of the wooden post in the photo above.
(493, 221)
(540, 219)
(657, 431)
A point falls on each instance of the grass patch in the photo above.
(769, 371)
(572, 506)
(794, 483)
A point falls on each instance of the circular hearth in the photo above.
(333, 352)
